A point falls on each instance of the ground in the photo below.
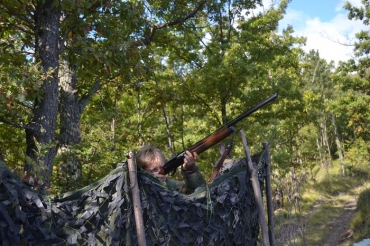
(339, 232)
(337, 226)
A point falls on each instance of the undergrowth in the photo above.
(361, 222)
(321, 202)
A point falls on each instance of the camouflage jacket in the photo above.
(192, 180)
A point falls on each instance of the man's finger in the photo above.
(195, 155)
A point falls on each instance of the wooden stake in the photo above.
(224, 153)
(132, 169)
(257, 192)
(270, 209)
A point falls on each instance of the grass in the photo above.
(361, 222)
(320, 221)
(337, 190)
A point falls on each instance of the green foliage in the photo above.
(353, 76)
(361, 222)
(170, 79)
(150, 73)
(12, 148)
(336, 184)
(20, 79)
(363, 202)
(357, 154)
(38, 168)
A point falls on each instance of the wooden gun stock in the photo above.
(198, 148)
(212, 139)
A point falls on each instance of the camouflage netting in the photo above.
(221, 213)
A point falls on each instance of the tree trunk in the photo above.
(139, 114)
(167, 122)
(169, 135)
(71, 109)
(40, 134)
(321, 145)
(70, 120)
(339, 146)
(326, 141)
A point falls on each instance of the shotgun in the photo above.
(214, 138)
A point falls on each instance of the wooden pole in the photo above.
(270, 209)
(257, 192)
(224, 153)
(132, 169)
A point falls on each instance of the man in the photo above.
(152, 160)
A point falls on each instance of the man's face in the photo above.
(154, 169)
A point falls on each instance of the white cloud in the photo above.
(333, 39)
(330, 38)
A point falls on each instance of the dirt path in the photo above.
(339, 229)
(339, 232)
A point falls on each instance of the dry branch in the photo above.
(136, 200)
(257, 191)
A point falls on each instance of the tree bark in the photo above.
(326, 141)
(70, 120)
(40, 129)
(339, 146)
(69, 108)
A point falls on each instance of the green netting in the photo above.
(221, 213)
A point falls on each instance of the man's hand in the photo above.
(189, 159)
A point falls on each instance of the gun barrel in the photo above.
(252, 110)
(214, 138)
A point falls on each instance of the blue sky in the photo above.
(324, 9)
(325, 25)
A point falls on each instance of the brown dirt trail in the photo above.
(339, 232)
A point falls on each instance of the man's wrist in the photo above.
(189, 168)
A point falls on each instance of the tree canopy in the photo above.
(85, 82)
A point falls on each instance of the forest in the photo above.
(85, 82)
